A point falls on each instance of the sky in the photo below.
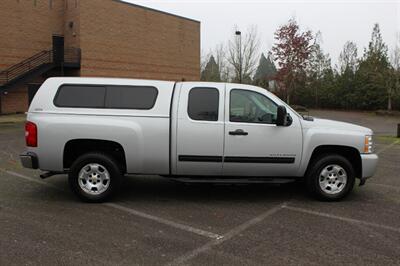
(338, 21)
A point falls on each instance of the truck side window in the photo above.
(203, 104)
(80, 96)
(131, 97)
(251, 107)
(106, 96)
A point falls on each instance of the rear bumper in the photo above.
(29, 160)
(369, 163)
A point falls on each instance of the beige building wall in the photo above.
(116, 39)
(72, 23)
(15, 101)
(123, 40)
(26, 28)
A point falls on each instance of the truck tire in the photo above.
(95, 177)
(330, 178)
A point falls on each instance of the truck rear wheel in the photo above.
(330, 178)
(95, 177)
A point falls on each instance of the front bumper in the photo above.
(29, 160)
(369, 163)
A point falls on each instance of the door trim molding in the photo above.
(239, 159)
(235, 159)
(200, 158)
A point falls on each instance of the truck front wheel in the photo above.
(330, 178)
(94, 177)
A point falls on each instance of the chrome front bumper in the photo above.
(29, 160)
(369, 163)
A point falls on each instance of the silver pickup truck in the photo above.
(98, 129)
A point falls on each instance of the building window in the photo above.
(203, 104)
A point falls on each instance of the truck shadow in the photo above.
(155, 189)
(145, 188)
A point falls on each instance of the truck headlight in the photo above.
(368, 144)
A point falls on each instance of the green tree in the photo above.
(315, 89)
(395, 62)
(211, 71)
(265, 72)
(373, 86)
(346, 84)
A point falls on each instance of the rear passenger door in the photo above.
(200, 129)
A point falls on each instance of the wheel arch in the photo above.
(350, 153)
(77, 147)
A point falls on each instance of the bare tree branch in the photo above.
(348, 57)
(242, 54)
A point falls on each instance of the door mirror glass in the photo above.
(281, 117)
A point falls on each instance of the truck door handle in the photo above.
(238, 132)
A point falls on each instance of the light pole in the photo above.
(239, 34)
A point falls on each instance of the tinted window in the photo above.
(80, 96)
(251, 107)
(203, 104)
(98, 96)
(131, 97)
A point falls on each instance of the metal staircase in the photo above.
(39, 64)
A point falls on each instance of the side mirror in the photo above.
(281, 117)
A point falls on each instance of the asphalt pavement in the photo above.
(155, 221)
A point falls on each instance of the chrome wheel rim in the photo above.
(332, 179)
(94, 179)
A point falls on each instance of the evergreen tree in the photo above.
(266, 71)
(348, 65)
(372, 90)
(395, 67)
(211, 71)
(318, 69)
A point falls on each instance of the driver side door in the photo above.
(254, 144)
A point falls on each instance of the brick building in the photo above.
(107, 38)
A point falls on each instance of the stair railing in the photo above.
(71, 55)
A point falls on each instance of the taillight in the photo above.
(31, 134)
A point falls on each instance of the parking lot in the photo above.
(156, 221)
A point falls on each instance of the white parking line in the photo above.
(31, 179)
(235, 231)
(180, 226)
(164, 221)
(340, 218)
